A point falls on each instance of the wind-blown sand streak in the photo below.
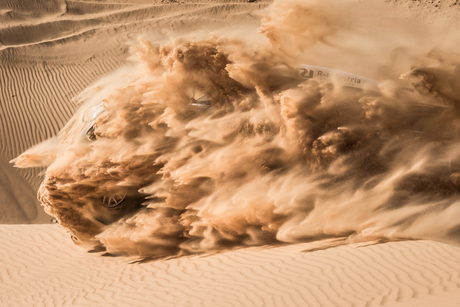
(271, 155)
(71, 44)
(40, 266)
(44, 76)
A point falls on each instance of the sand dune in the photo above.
(41, 267)
(52, 50)
(81, 17)
(23, 202)
(36, 103)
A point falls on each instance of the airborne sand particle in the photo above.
(273, 157)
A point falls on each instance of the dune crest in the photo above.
(58, 55)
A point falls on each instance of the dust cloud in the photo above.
(209, 143)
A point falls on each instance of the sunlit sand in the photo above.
(252, 153)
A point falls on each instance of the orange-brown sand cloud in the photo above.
(210, 143)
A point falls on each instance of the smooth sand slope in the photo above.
(40, 266)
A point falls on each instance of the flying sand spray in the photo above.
(218, 143)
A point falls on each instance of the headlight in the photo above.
(89, 116)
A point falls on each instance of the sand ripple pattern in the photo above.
(40, 267)
(80, 17)
(50, 50)
(37, 101)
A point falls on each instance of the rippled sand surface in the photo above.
(187, 139)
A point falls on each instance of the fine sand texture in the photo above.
(40, 266)
(50, 50)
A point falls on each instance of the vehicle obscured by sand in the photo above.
(272, 158)
(52, 50)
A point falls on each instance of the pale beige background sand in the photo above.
(40, 267)
(51, 51)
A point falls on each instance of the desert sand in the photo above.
(53, 50)
(41, 267)
(54, 54)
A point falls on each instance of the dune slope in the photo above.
(52, 50)
(40, 266)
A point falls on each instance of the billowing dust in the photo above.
(206, 144)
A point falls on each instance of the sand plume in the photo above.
(216, 142)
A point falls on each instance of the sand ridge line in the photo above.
(24, 35)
